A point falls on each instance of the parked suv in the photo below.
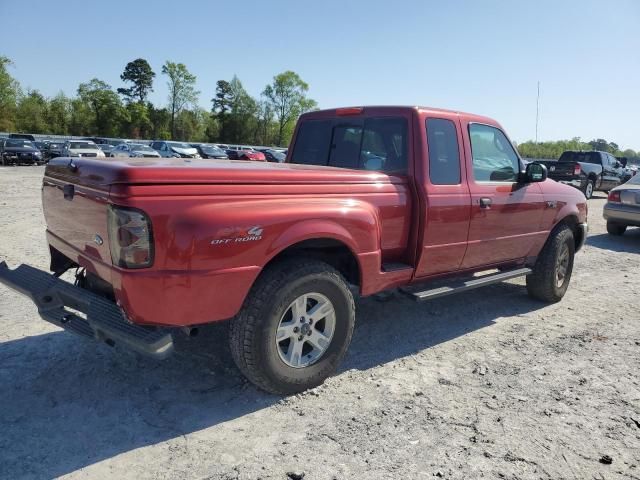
(14, 151)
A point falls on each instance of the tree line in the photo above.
(553, 150)
(99, 110)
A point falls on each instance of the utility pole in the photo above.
(537, 110)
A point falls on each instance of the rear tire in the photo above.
(616, 228)
(552, 271)
(262, 339)
(588, 189)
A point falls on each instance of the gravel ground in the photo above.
(486, 384)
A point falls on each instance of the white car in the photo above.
(136, 150)
(81, 148)
(174, 149)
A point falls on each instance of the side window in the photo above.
(494, 159)
(384, 145)
(345, 146)
(312, 143)
(444, 154)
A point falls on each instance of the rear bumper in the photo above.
(84, 313)
(624, 214)
(574, 183)
(168, 298)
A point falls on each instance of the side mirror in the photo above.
(535, 172)
(623, 161)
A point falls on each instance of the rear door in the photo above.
(505, 215)
(448, 202)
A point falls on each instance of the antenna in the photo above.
(537, 110)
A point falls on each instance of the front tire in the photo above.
(616, 228)
(294, 328)
(552, 271)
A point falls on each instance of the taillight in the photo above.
(614, 197)
(130, 237)
(576, 169)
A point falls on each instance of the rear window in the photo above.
(584, 157)
(378, 144)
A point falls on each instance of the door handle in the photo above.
(485, 202)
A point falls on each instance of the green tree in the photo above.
(59, 114)
(9, 94)
(137, 123)
(140, 75)
(182, 91)
(32, 113)
(222, 104)
(104, 103)
(81, 118)
(160, 122)
(288, 96)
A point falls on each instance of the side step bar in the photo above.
(83, 312)
(457, 286)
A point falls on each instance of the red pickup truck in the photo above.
(429, 201)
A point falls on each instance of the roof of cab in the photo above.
(396, 108)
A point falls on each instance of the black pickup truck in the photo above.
(587, 171)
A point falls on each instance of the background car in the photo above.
(107, 148)
(134, 150)
(81, 148)
(14, 151)
(174, 149)
(23, 136)
(210, 151)
(41, 145)
(274, 155)
(53, 149)
(622, 209)
(251, 155)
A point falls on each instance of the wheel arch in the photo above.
(572, 221)
(334, 251)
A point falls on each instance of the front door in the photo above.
(505, 215)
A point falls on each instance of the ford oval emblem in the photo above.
(98, 239)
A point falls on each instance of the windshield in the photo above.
(82, 145)
(19, 144)
(635, 180)
(138, 147)
(210, 149)
(55, 145)
(179, 145)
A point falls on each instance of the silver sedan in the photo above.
(622, 209)
(135, 150)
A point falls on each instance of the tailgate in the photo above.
(74, 201)
(561, 170)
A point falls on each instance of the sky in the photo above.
(484, 57)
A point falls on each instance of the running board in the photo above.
(457, 286)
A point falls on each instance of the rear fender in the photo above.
(351, 222)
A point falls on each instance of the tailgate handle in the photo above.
(69, 191)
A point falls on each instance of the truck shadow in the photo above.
(629, 242)
(67, 403)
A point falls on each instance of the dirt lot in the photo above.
(487, 384)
